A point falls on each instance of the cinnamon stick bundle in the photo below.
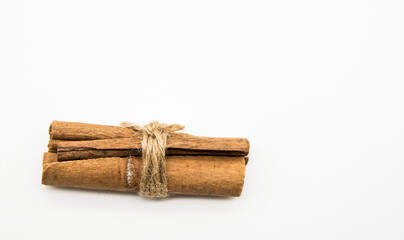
(109, 157)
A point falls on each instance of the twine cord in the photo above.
(153, 182)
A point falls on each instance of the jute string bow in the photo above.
(153, 182)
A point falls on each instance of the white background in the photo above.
(316, 86)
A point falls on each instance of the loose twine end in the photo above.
(153, 182)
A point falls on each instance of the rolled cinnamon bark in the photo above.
(89, 154)
(60, 130)
(193, 175)
(86, 131)
(176, 145)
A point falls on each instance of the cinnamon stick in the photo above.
(176, 145)
(193, 175)
(87, 131)
(89, 154)
(60, 130)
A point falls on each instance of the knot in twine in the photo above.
(153, 182)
